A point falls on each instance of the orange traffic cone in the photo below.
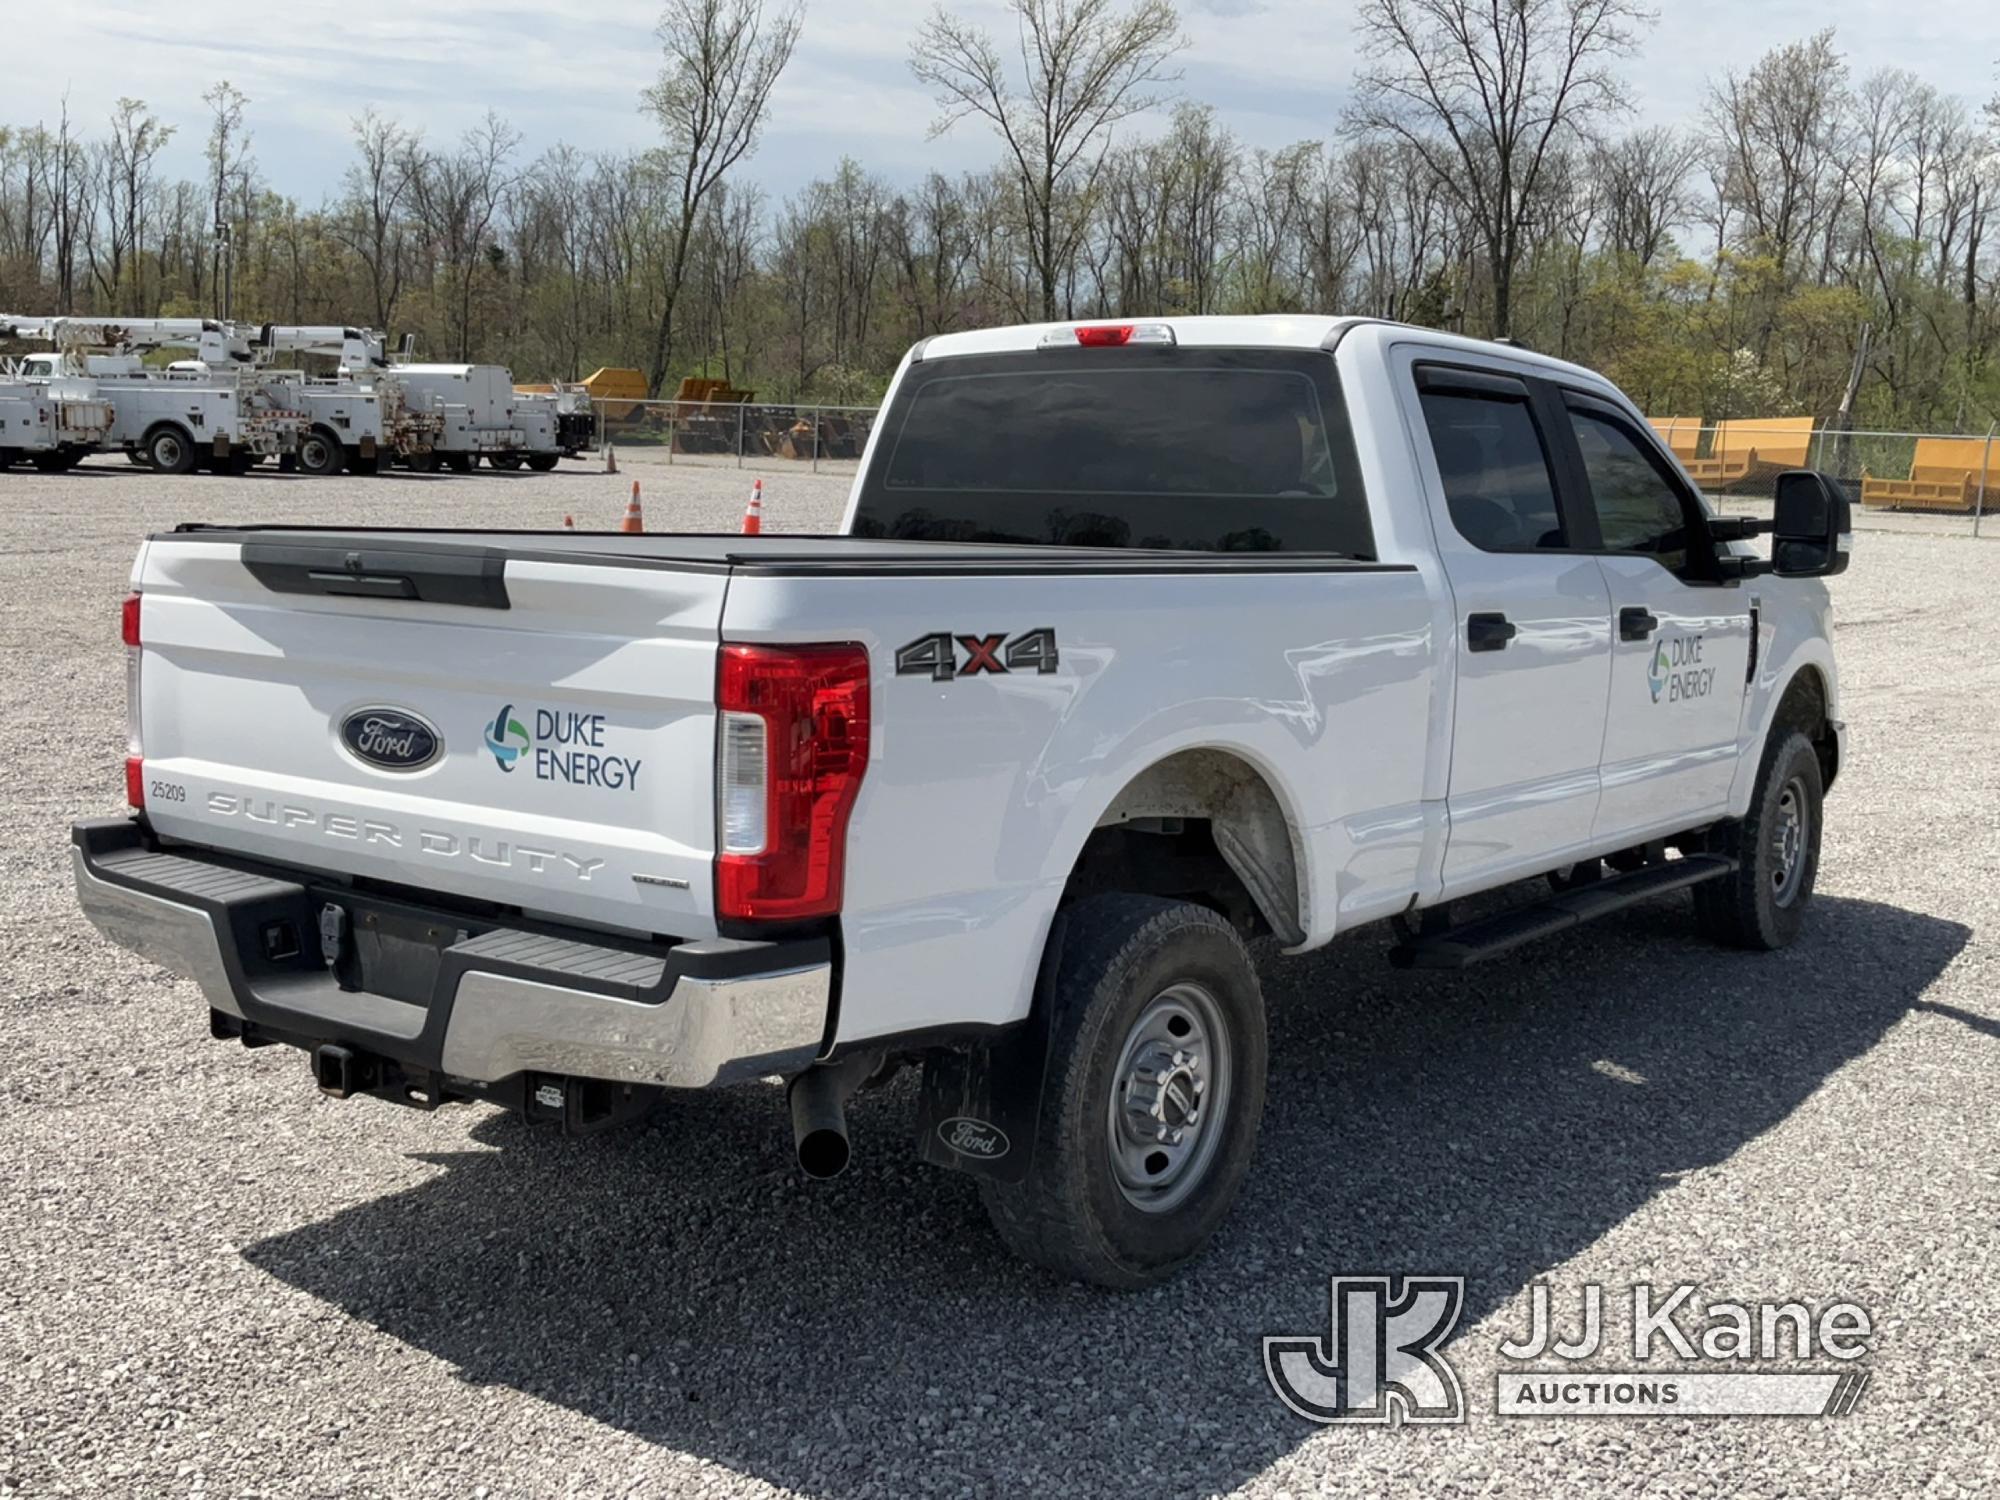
(753, 513)
(635, 518)
(611, 458)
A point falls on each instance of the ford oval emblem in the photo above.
(390, 739)
(969, 1137)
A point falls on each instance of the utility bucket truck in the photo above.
(359, 417)
(52, 423)
(210, 411)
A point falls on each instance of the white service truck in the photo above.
(210, 411)
(1139, 640)
(358, 418)
(477, 407)
(53, 423)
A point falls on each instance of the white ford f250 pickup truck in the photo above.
(1140, 639)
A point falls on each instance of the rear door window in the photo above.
(1219, 450)
(1495, 468)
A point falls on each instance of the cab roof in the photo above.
(1260, 331)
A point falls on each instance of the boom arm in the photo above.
(355, 348)
(214, 344)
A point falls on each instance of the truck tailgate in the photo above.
(571, 700)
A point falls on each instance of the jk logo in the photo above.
(1379, 1361)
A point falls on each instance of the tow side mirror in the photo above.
(1811, 532)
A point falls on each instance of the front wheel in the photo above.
(1154, 1093)
(542, 463)
(1762, 904)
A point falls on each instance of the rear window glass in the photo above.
(1190, 449)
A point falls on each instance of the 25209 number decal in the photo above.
(944, 655)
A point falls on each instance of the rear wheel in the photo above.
(541, 463)
(169, 451)
(458, 463)
(320, 454)
(371, 465)
(1776, 846)
(427, 462)
(1154, 1092)
(9, 457)
(506, 461)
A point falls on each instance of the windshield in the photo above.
(1213, 450)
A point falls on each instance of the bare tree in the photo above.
(370, 220)
(710, 100)
(1777, 132)
(1082, 69)
(228, 164)
(457, 196)
(1643, 180)
(126, 162)
(1483, 91)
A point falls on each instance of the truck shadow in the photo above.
(680, 1283)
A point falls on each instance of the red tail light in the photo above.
(135, 766)
(792, 748)
(1104, 335)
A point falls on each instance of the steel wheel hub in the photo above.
(1168, 1097)
(1790, 835)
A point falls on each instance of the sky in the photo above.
(1277, 71)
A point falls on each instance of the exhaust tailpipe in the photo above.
(819, 1098)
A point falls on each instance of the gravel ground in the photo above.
(217, 1282)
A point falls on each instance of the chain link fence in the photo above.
(1897, 480)
(823, 439)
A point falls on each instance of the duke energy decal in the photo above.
(562, 746)
(1676, 673)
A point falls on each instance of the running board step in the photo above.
(1456, 947)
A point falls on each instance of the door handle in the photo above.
(1636, 622)
(1489, 632)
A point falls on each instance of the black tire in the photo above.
(366, 467)
(57, 460)
(459, 463)
(170, 451)
(427, 462)
(507, 462)
(9, 457)
(1079, 1212)
(1762, 905)
(320, 454)
(542, 463)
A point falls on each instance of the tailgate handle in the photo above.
(371, 585)
(475, 577)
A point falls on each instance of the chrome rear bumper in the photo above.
(708, 1028)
